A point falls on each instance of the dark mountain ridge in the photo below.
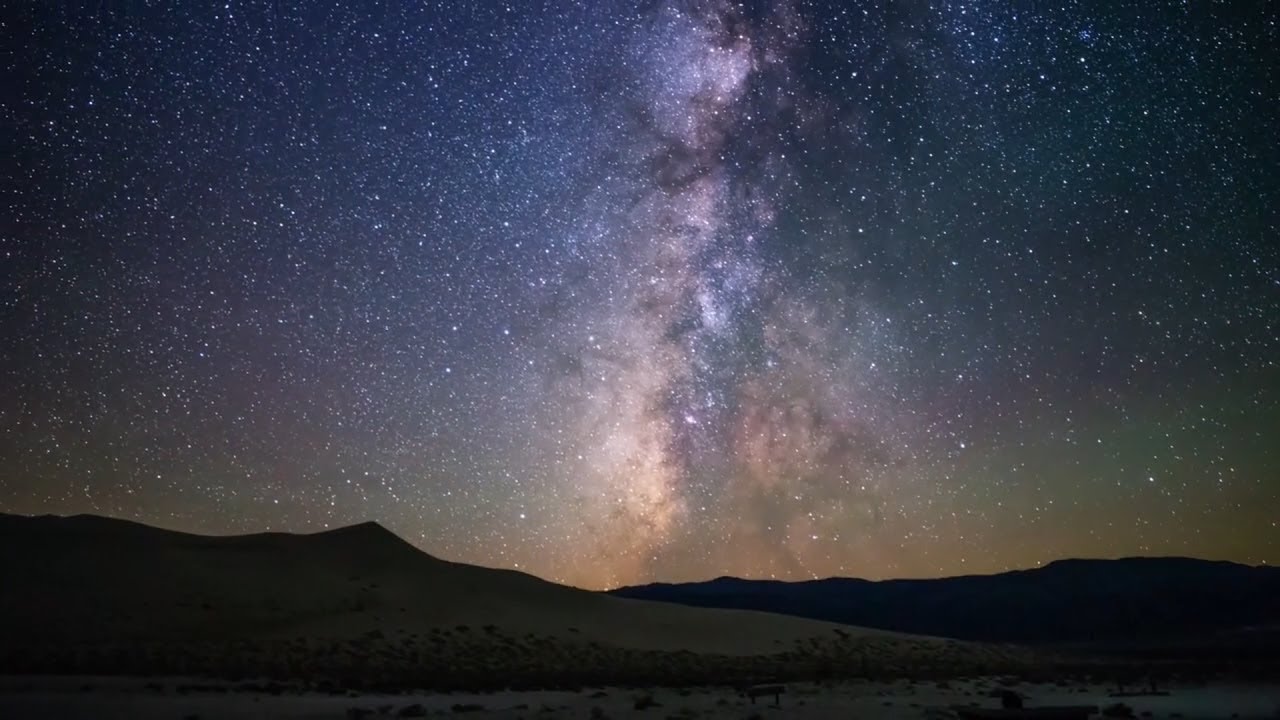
(1067, 601)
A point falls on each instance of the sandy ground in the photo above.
(335, 586)
(65, 698)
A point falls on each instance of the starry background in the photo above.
(620, 292)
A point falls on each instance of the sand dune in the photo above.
(87, 592)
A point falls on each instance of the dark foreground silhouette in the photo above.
(1160, 605)
(359, 608)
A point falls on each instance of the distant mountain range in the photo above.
(1065, 602)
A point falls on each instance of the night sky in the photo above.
(614, 292)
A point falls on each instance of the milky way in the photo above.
(614, 294)
(706, 410)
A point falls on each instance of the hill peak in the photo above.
(367, 531)
(367, 527)
(368, 537)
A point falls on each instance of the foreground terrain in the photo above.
(173, 699)
(361, 609)
(111, 615)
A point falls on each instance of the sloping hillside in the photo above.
(91, 594)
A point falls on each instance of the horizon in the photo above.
(657, 581)
(608, 294)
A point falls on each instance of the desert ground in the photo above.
(71, 698)
(363, 609)
(109, 619)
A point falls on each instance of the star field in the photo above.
(614, 293)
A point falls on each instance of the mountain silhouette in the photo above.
(1068, 601)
